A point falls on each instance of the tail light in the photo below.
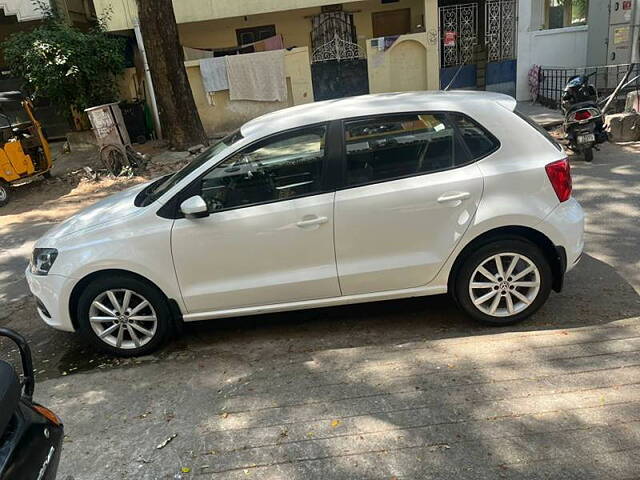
(48, 414)
(583, 115)
(559, 174)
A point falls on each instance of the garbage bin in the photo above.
(112, 136)
(108, 125)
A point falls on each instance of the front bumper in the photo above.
(52, 293)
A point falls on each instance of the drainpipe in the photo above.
(147, 76)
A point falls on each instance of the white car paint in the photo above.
(393, 239)
(235, 272)
(385, 236)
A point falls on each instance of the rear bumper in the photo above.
(32, 449)
(52, 293)
(564, 226)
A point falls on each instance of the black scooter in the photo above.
(583, 123)
(30, 434)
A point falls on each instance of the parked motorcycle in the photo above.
(583, 122)
(30, 434)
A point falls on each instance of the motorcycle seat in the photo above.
(581, 105)
(9, 394)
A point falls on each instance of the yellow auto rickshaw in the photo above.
(24, 150)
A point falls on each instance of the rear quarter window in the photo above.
(540, 130)
(478, 140)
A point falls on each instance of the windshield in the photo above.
(12, 113)
(166, 183)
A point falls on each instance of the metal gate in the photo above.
(338, 63)
(500, 41)
(458, 39)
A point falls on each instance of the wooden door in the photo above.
(392, 22)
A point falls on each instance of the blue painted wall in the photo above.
(466, 78)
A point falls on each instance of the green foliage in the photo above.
(70, 67)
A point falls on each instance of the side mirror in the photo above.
(194, 207)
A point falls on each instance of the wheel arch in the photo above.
(555, 255)
(87, 279)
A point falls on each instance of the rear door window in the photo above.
(397, 146)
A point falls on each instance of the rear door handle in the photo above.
(453, 196)
(312, 221)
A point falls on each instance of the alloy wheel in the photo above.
(123, 319)
(504, 284)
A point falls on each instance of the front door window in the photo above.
(285, 167)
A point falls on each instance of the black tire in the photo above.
(114, 159)
(155, 298)
(480, 256)
(47, 174)
(588, 154)
(5, 193)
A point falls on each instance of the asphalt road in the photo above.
(399, 389)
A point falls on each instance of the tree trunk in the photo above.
(179, 118)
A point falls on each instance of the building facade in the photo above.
(331, 50)
(339, 49)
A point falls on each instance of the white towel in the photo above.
(214, 74)
(257, 76)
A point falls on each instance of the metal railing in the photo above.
(552, 80)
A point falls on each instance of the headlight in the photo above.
(42, 260)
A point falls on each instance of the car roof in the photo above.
(366, 105)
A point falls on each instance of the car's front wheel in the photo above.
(4, 193)
(123, 316)
(504, 282)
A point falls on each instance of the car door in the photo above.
(269, 236)
(410, 192)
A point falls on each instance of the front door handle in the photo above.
(453, 196)
(310, 222)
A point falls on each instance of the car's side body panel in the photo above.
(108, 248)
(396, 235)
(257, 255)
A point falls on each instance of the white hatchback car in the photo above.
(354, 200)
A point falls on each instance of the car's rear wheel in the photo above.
(123, 316)
(504, 282)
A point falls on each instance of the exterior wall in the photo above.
(123, 12)
(24, 10)
(129, 85)
(226, 115)
(598, 33)
(561, 47)
(294, 25)
(401, 68)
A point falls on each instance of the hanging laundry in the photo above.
(214, 74)
(257, 76)
(274, 43)
(196, 53)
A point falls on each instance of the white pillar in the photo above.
(433, 44)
